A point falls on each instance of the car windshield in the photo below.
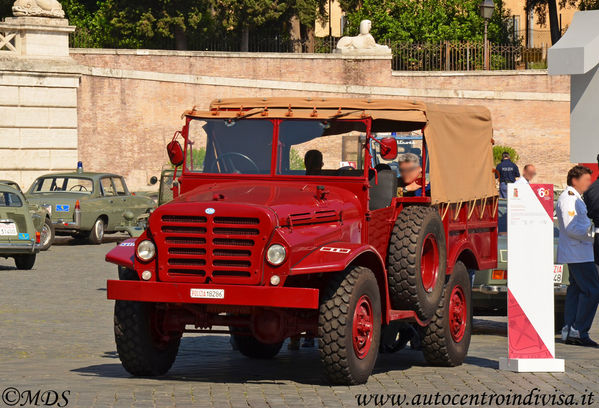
(228, 146)
(8, 199)
(63, 184)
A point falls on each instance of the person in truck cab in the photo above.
(313, 162)
(410, 173)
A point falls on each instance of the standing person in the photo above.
(507, 172)
(575, 247)
(591, 199)
(528, 173)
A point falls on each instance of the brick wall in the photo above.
(130, 102)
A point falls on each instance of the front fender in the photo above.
(123, 254)
(332, 258)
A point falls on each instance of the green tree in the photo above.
(304, 14)
(246, 15)
(498, 152)
(426, 20)
(138, 23)
(5, 8)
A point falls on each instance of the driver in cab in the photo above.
(313, 162)
(410, 172)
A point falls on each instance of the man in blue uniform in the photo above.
(575, 247)
(507, 172)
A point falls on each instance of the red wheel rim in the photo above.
(363, 327)
(458, 313)
(429, 262)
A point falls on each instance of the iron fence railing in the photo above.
(407, 56)
(464, 56)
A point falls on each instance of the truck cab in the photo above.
(282, 223)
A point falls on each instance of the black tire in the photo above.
(251, 347)
(47, 235)
(97, 233)
(343, 362)
(25, 262)
(140, 353)
(439, 345)
(415, 226)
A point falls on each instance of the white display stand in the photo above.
(531, 342)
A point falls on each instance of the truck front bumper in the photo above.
(237, 295)
(559, 290)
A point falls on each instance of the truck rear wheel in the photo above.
(349, 326)
(447, 338)
(142, 349)
(417, 261)
(251, 347)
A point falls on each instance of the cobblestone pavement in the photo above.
(56, 334)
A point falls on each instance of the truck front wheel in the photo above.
(143, 350)
(447, 338)
(349, 326)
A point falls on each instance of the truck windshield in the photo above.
(321, 148)
(228, 146)
(63, 184)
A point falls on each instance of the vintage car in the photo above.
(18, 237)
(88, 205)
(41, 218)
(255, 241)
(489, 289)
(165, 188)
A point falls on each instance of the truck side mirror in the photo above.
(388, 148)
(175, 153)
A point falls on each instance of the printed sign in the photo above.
(531, 343)
(62, 207)
(8, 228)
(207, 293)
(24, 236)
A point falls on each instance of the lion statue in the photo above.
(362, 41)
(38, 8)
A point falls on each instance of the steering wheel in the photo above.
(81, 187)
(234, 154)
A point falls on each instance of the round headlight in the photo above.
(276, 254)
(146, 250)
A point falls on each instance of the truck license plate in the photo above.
(207, 293)
(8, 228)
(558, 271)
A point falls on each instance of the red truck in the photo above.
(286, 220)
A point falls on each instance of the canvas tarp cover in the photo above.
(458, 137)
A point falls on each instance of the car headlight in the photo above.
(146, 250)
(276, 254)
